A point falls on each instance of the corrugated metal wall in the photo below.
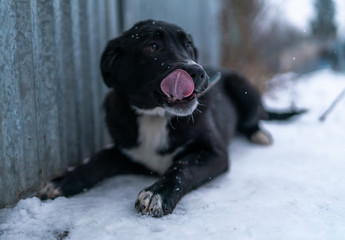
(50, 85)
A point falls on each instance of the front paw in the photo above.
(151, 204)
(50, 191)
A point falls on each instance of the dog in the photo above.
(165, 119)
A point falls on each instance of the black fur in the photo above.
(133, 65)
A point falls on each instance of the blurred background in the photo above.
(257, 37)
(51, 90)
(266, 37)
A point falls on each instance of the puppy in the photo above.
(165, 119)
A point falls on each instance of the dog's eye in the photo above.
(188, 45)
(153, 47)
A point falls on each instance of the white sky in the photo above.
(300, 12)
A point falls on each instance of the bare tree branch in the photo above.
(332, 106)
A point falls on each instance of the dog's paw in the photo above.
(150, 203)
(49, 191)
(262, 138)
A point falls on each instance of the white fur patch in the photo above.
(153, 136)
(183, 112)
(155, 111)
(261, 137)
(191, 62)
(49, 191)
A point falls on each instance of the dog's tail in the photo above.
(281, 116)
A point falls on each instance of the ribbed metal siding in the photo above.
(50, 87)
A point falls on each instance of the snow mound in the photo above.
(294, 189)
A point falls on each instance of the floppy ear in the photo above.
(110, 60)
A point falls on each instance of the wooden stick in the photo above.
(331, 107)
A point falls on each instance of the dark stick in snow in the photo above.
(332, 106)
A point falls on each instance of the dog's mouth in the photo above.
(173, 101)
(178, 86)
(180, 95)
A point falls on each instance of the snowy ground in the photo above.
(294, 189)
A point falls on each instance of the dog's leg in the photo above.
(104, 164)
(188, 171)
(248, 101)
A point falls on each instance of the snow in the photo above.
(294, 189)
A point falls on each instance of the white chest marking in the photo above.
(153, 136)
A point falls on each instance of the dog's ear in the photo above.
(110, 60)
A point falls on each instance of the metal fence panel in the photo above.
(50, 88)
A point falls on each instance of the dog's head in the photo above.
(153, 65)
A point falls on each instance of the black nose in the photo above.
(199, 76)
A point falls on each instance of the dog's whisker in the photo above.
(192, 116)
(198, 110)
(171, 124)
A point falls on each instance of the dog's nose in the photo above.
(199, 76)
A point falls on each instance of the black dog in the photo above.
(161, 121)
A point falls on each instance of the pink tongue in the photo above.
(178, 84)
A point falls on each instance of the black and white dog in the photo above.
(162, 120)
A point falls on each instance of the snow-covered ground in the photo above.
(294, 189)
